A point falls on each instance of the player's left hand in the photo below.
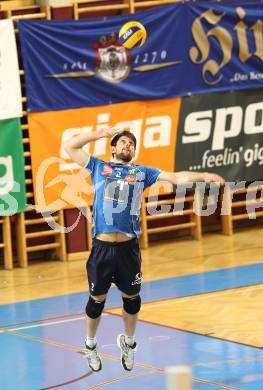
(213, 178)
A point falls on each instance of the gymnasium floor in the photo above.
(202, 307)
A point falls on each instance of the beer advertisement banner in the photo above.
(59, 182)
(12, 173)
(191, 48)
(10, 90)
(222, 133)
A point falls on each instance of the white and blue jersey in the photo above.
(118, 191)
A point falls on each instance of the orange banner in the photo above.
(60, 183)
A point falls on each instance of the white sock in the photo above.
(130, 340)
(90, 341)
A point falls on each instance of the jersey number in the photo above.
(116, 190)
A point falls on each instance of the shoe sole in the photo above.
(100, 367)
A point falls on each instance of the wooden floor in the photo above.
(233, 314)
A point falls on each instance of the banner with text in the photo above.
(12, 172)
(10, 89)
(60, 183)
(222, 133)
(192, 48)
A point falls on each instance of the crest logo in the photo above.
(112, 59)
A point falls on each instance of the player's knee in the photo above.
(94, 308)
(132, 305)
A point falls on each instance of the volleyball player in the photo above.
(115, 255)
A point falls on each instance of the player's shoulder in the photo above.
(94, 163)
(96, 160)
(140, 171)
(138, 167)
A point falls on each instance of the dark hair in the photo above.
(124, 133)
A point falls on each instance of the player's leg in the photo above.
(94, 310)
(126, 341)
(99, 276)
(128, 280)
(130, 310)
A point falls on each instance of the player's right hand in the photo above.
(111, 131)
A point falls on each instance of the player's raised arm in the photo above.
(74, 146)
(187, 176)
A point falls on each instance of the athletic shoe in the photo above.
(93, 358)
(127, 353)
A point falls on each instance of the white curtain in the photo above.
(10, 88)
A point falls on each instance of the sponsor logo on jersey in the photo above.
(133, 171)
(140, 176)
(107, 170)
(130, 179)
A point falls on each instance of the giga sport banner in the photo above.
(191, 48)
(12, 172)
(59, 182)
(222, 133)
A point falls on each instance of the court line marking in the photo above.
(41, 320)
(98, 384)
(70, 382)
(169, 298)
(105, 383)
(162, 302)
(154, 304)
(152, 369)
(204, 335)
(2, 330)
(45, 324)
(80, 349)
(109, 382)
(76, 349)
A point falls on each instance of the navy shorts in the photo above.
(114, 262)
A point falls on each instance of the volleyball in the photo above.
(132, 34)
